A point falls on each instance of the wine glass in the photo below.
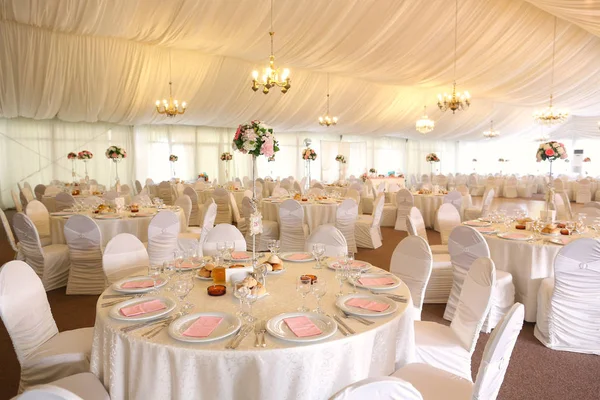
(349, 259)
(353, 276)
(229, 248)
(570, 225)
(221, 246)
(319, 289)
(340, 275)
(241, 292)
(274, 246)
(182, 288)
(154, 271)
(169, 270)
(318, 249)
(303, 286)
(261, 274)
(178, 259)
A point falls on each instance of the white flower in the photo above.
(249, 145)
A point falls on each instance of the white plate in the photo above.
(117, 285)
(285, 256)
(477, 223)
(281, 271)
(550, 234)
(341, 304)
(327, 202)
(107, 216)
(228, 326)
(489, 232)
(142, 214)
(277, 327)
(560, 241)
(334, 265)
(241, 260)
(397, 280)
(522, 238)
(116, 314)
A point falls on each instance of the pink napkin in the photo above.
(376, 281)
(302, 326)
(138, 284)
(515, 236)
(367, 304)
(203, 326)
(239, 255)
(142, 308)
(299, 256)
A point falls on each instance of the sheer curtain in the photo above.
(416, 151)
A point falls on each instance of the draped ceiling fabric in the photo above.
(108, 60)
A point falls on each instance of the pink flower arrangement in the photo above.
(115, 153)
(255, 138)
(85, 155)
(173, 158)
(551, 151)
(226, 156)
(309, 154)
(587, 159)
(72, 156)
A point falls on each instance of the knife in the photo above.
(342, 323)
(242, 337)
(143, 324)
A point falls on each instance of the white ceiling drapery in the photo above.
(104, 60)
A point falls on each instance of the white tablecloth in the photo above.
(50, 201)
(315, 214)
(388, 182)
(204, 195)
(428, 205)
(132, 367)
(137, 226)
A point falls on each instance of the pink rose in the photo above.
(113, 155)
(238, 133)
(267, 149)
(549, 152)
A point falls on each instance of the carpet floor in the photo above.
(535, 372)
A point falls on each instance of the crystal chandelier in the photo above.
(327, 120)
(425, 125)
(271, 75)
(170, 108)
(456, 100)
(491, 133)
(549, 115)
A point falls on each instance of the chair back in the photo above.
(415, 224)
(559, 185)
(235, 211)
(39, 191)
(40, 216)
(125, 189)
(186, 205)
(84, 239)
(345, 220)
(124, 255)
(454, 198)
(404, 202)
(291, 226)
(487, 202)
(412, 262)
(221, 198)
(110, 195)
(378, 210)
(223, 233)
(380, 388)
(64, 201)
(297, 187)
(195, 209)
(24, 309)
(353, 194)
(318, 185)
(474, 302)
(497, 352)
(465, 245)
(16, 201)
(333, 239)
(9, 232)
(162, 237)
(280, 192)
(462, 189)
(210, 215)
(29, 240)
(448, 218)
(357, 186)
(165, 192)
(592, 204)
(138, 186)
(286, 184)
(393, 188)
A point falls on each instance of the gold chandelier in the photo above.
(424, 125)
(170, 108)
(491, 133)
(549, 115)
(271, 76)
(327, 120)
(456, 100)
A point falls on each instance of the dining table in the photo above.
(50, 200)
(205, 194)
(133, 365)
(316, 212)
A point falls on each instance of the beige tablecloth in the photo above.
(315, 214)
(204, 195)
(50, 201)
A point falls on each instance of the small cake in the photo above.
(564, 231)
(561, 225)
(216, 290)
(275, 262)
(519, 226)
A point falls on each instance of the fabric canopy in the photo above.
(108, 60)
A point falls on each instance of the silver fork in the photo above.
(257, 326)
(357, 318)
(263, 330)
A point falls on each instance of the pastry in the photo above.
(519, 226)
(275, 263)
(525, 220)
(256, 288)
(204, 273)
(216, 290)
(209, 266)
(313, 278)
(564, 231)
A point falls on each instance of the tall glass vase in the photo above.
(227, 169)
(87, 177)
(340, 171)
(73, 174)
(307, 168)
(117, 180)
(173, 173)
(549, 197)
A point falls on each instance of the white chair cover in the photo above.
(455, 198)
(415, 224)
(318, 185)
(221, 198)
(125, 189)
(50, 263)
(85, 248)
(186, 205)
(162, 237)
(93, 201)
(333, 239)
(475, 212)
(223, 233)
(39, 191)
(80, 386)
(584, 192)
(9, 235)
(110, 195)
(208, 221)
(52, 190)
(381, 388)
(568, 313)
(292, 229)
(367, 229)
(315, 191)
(345, 221)
(124, 255)
(235, 212)
(270, 229)
(18, 204)
(195, 215)
(450, 347)
(39, 215)
(138, 186)
(297, 187)
(412, 262)
(280, 192)
(510, 188)
(44, 354)
(561, 208)
(404, 202)
(447, 218)
(286, 184)
(165, 192)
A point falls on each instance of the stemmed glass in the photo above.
(182, 288)
(319, 289)
(241, 292)
(570, 225)
(318, 249)
(354, 275)
(154, 271)
(340, 275)
(261, 274)
(274, 246)
(303, 286)
(229, 248)
(169, 269)
(221, 246)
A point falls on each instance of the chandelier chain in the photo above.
(553, 55)
(455, 38)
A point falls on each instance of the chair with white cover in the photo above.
(208, 221)
(163, 232)
(437, 384)
(562, 211)
(476, 212)
(51, 263)
(367, 198)
(524, 187)
(85, 251)
(412, 262)
(590, 215)
(26, 193)
(52, 190)
(64, 201)
(584, 192)
(389, 213)
(286, 184)
(39, 215)
(221, 198)
(380, 388)
(510, 187)
(568, 311)
(345, 220)
(125, 189)
(9, 235)
(404, 202)
(367, 229)
(188, 237)
(39, 191)
(195, 212)
(592, 204)
(45, 354)
(315, 191)
(223, 233)
(333, 239)
(124, 255)
(297, 187)
(238, 220)
(165, 192)
(450, 347)
(279, 192)
(475, 186)
(138, 186)
(353, 194)
(270, 228)
(110, 196)
(317, 185)
(448, 218)
(462, 189)
(292, 229)
(16, 201)
(80, 386)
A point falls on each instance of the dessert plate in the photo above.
(116, 313)
(515, 236)
(228, 326)
(118, 286)
(290, 257)
(397, 281)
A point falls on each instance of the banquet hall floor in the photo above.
(535, 372)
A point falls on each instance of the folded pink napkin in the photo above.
(302, 326)
(143, 308)
(299, 256)
(203, 326)
(376, 281)
(138, 284)
(187, 265)
(239, 255)
(367, 304)
(515, 236)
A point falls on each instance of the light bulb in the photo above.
(184, 104)
(255, 74)
(157, 103)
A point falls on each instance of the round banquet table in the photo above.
(338, 189)
(204, 195)
(315, 213)
(528, 262)
(137, 226)
(388, 181)
(428, 205)
(133, 367)
(50, 201)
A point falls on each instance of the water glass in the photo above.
(241, 292)
(182, 288)
(303, 286)
(221, 249)
(178, 259)
(353, 276)
(154, 271)
(169, 270)
(229, 248)
(319, 289)
(274, 246)
(318, 249)
(340, 275)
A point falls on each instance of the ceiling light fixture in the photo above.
(327, 120)
(424, 124)
(170, 108)
(491, 133)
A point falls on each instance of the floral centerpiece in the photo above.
(72, 156)
(391, 174)
(115, 153)
(587, 159)
(364, 177)
(432, 157)
(309, 154)
(226, 156)
(551, 151)
(85, 155)
(255, 138)
(173, 158)
(502, 160)
(474, 160)
(340, 158)
(372, 170)
(203, 175)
